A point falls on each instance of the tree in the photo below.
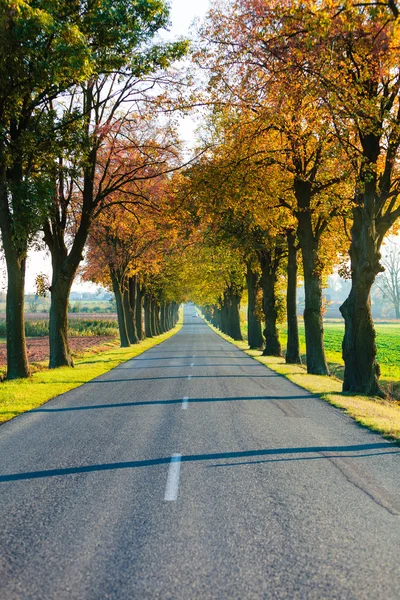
(351, 51)
(129, 250)
(291, 131)
(121, 152)
(48, 48)
(43, 52)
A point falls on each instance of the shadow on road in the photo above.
(174, 401)
(342, 450)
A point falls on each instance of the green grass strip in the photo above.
(21, 395)
(381, 416)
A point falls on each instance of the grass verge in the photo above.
(381, 416)
(21, 395)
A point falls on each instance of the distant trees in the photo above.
(388, 282)
(132, 248)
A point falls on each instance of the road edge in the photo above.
(22, 395)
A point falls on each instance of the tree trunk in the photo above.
(175, 312)
(313, 323)
(154, 317)
(17, 356)
(361, 371)
(148, 318)
(123, 331)
(129, 315)
(224, 319)
(60, 353)
(139, 299)
(293, 345)
(216, 319)
(254, 334)
(269, 269)
(232, 307)
(163, 317)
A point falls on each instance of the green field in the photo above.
(387, 342)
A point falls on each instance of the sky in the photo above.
(183, 13)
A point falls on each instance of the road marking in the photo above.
(172, 487)
(190, 377)
(192, 364)
(185, 402)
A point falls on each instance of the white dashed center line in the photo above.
(190, 377)
(185, 400)
(172, 487)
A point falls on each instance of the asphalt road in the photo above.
(193, 471)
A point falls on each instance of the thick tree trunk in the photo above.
(118, 293)
(269, 269)
(163, 317)
(176, 313)
(139, 299)
(168, 319)
(154, 317)
(217, 320)
(60, 353)
(148, 317)
(361, 371)
(254, 334)
(232, 310)
(129, 316)
(17, 357)
(224, 317)
(313, 323)
(293, 345)
(158, 319)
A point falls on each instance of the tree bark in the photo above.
(232, 314)
(216, 320)
(361, 371)
(293, 345)
(129, 315)
(163, 317)
(154, 317)
(139, 299)
(269, 275)
(224, 317)
(175, 312)
(148, 318)
(17, 356)
(60, 353)
(123, 331)
(313, 323)
(254, 334)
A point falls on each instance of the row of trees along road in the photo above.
(297, 169)
(309, 93)
(69, 70)
(137, 254)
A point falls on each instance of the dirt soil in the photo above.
(38, 348)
